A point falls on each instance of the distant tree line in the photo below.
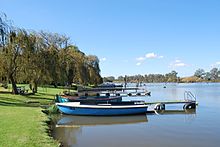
(213, 75)
(148, 78)
(200, 75)
(43, 58)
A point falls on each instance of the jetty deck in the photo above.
(109, 89)
(170, 102)
(185, 111)
(189, 102)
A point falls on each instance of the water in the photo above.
(200, 128)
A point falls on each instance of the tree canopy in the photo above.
(43, 58)
(150, 78)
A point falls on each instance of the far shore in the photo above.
(191, 79)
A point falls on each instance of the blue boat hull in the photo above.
(101, 111)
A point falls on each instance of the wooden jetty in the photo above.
(109, 89)
(189, 102)
(164, 112)
(117, 91)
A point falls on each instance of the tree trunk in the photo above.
(14, 86)
(30, 86)
(55, 85)
(34, 87)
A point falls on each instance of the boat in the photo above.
(65, 98)
(114, 90)
(103, 109)
(127, 94)
(109, 85)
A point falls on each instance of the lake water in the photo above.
(200, 128)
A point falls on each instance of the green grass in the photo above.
(22, 123)
(44, 96)
(24, 127)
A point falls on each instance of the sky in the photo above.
(130, 36)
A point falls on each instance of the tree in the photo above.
(172, 76)
(4, 35)
(53, 43)
(11, 57)
(110, 79)
(120, 78)
(34, 59)
(43, 58)
(67, 65)
(207, 76)
(200, 73)
(94, 70)
(214, 73)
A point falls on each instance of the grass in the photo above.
(24, 127)
(22, 122)
(44, 96)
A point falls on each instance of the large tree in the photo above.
(214, 73)
(200, 73)
(43, 58)
(11, 57)
(94, 69)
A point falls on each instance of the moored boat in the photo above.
(63, 98)
(103, 109)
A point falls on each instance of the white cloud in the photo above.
(140, 59)
(103, 59)
(151, 55)
(138, 64)
(178, 63)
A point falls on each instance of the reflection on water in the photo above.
(69, 120)
(184, 111)
(68, 128)
(67, 135)
(189, 114)
(170, 128)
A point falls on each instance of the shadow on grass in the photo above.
(36, 97)
(11, 100)
(5, 92)
(8, 99)
(46, 94)
(3, 103)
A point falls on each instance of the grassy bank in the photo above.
(23, 126)
(22, 122)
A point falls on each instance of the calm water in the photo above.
(171, 129)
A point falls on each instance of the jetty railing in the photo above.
(189, 102)
(188, 96)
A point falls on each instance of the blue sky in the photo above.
(131, 36)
